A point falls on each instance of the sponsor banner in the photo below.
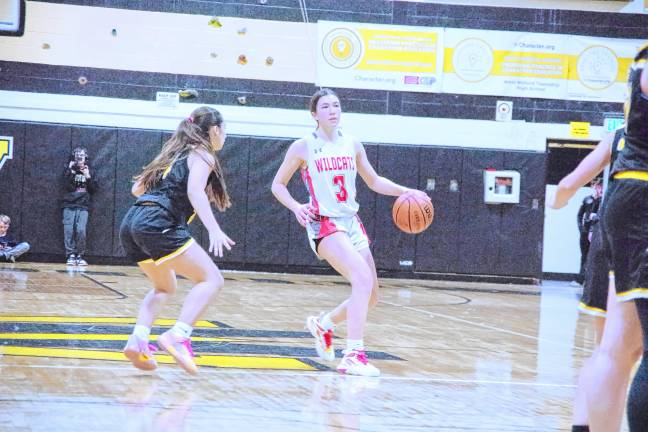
(380, 57)
(598, 67)
(505, 64)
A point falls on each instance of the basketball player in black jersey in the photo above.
(598, 296)
(178, 184)
(625, 229)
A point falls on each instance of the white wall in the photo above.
(277, 122)
(561, 251)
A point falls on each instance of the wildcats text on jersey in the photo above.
(335, 163)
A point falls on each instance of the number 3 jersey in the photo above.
(330, 175)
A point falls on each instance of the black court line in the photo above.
(121, 295)
(229, 348)
(481, 290)
(91, 272)
(106, 328)
(219, 324)
(19, 270)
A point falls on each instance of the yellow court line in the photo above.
(94, 320)
(222, 361)
(101, 337)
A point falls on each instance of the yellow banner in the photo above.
(398, 51)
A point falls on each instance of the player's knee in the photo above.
(163, 290)
(215, 280)
(362, 282)
(618, 354)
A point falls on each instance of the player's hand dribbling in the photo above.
(305, 214)
(418, 194)
(218, 239)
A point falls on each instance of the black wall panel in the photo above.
(479, 223)
(135, 148)
(467, 236)
(437, 248)
(47, 150)
(101, 144)
(267, 220)
(391, 246)
(522, 224)
(11, 180)
(234, 159)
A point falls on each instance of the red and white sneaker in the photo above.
(140, 353)
(355, 362)
(180, 350)
(323, 338)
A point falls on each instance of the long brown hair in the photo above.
(319, 94)
(192, 134)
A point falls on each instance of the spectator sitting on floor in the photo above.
(9, 248)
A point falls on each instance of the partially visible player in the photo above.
(598, 291)
(178, 184)
(329, 160)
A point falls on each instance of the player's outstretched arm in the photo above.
(377, 183)
(200, 167)
(584, 173)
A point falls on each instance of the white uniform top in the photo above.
(330, 175)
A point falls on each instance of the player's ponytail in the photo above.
(192, 134)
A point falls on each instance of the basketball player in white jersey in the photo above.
(329, 160)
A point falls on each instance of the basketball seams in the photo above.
(409, 214)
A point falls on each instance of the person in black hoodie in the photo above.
(80, 184)
(587, 218)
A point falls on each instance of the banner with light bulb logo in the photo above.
(380, 57)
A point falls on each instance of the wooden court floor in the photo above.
(454, 356)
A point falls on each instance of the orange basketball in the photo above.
(411, 214)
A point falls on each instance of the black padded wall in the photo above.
(234, 159)
(522, 225)
(47, 151)
(268, 227)
(392, 246)
(135, 148)
(11, 179)
(467, 236)
(437, 248)
(479, 223)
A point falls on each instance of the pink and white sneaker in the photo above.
(140, 353)
(355, 362)
(180, 350)
(323, 338)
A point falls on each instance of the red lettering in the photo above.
(345, 163)
(318, 165)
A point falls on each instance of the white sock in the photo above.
(182, 329)
(355, 344)
(326, 322)
(142, 332)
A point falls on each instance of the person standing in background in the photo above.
(80, 184)
(587, 218)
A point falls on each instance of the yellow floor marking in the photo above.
(222, 361)
(100, 337)
(94, 320)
